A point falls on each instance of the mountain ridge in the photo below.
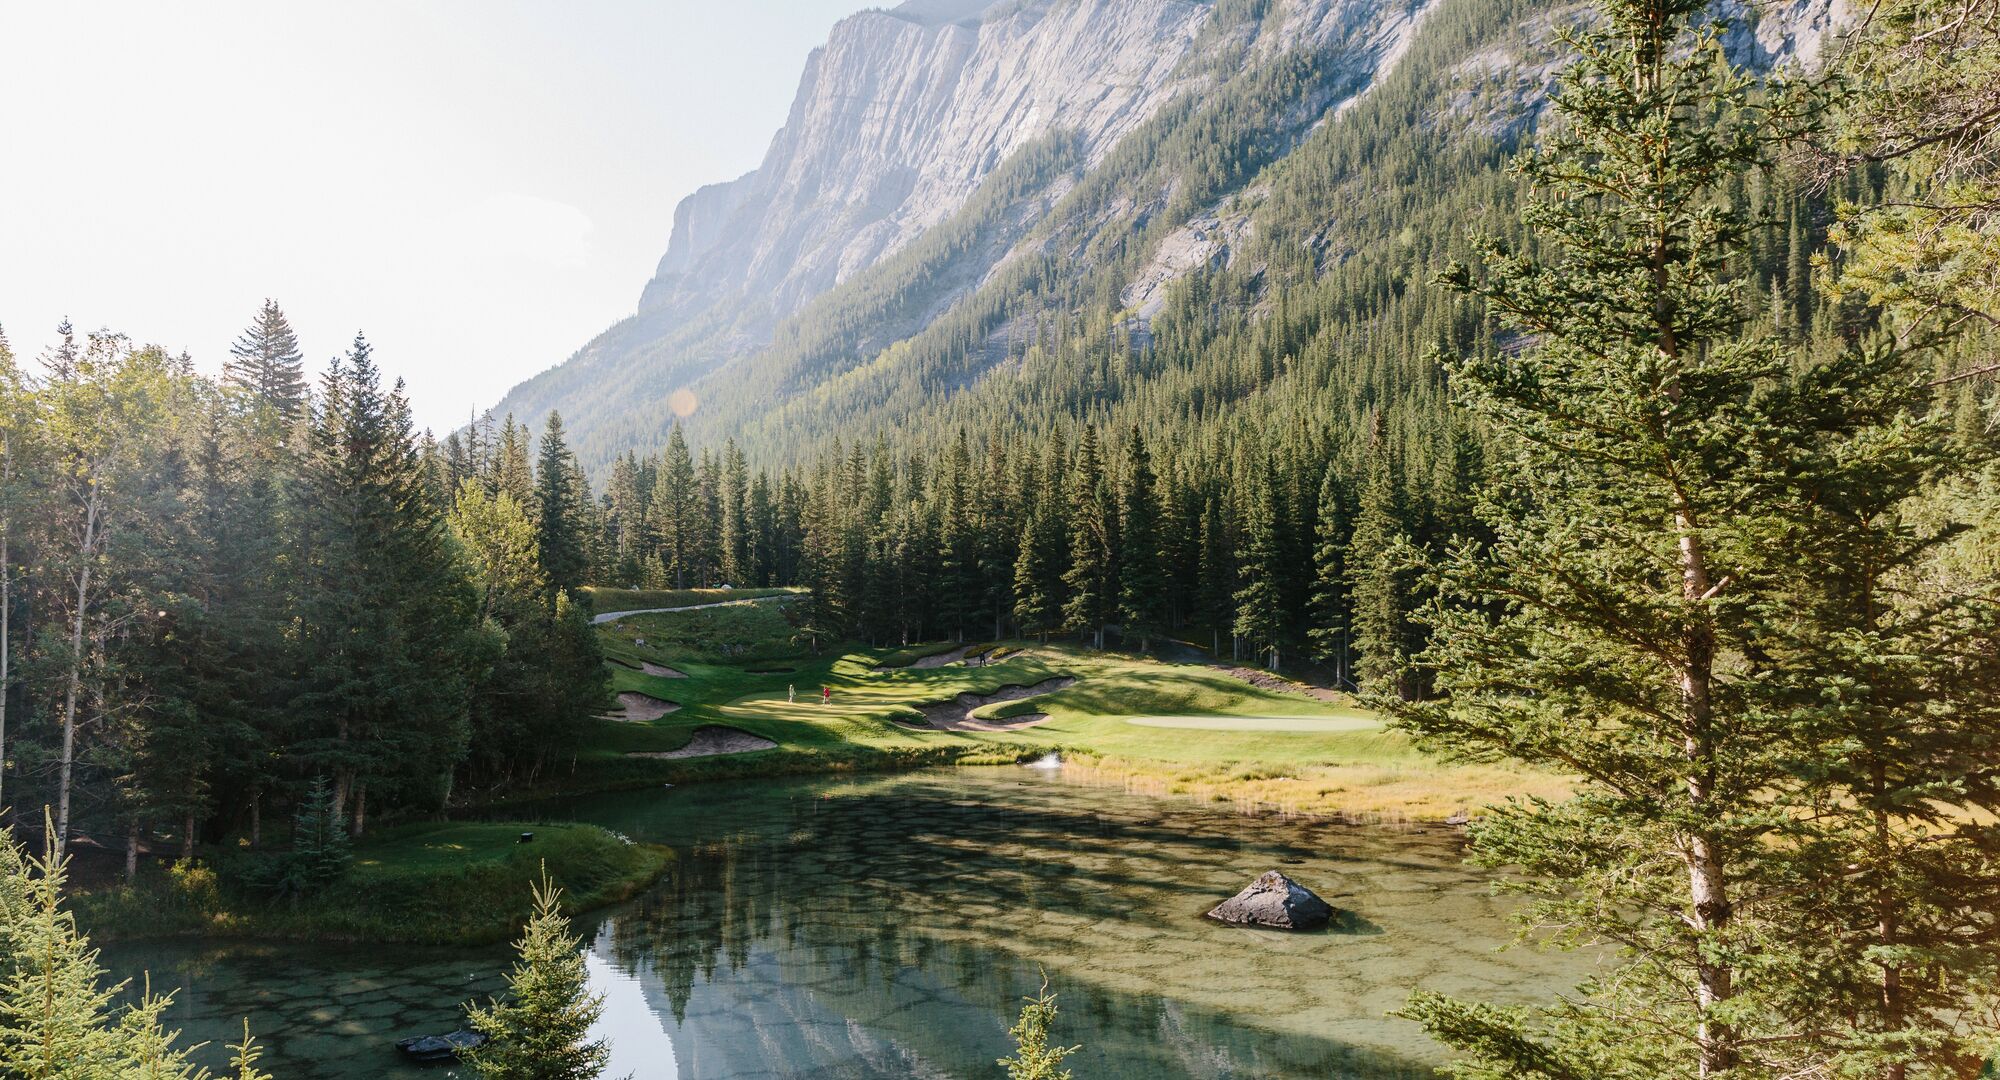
(935, 153)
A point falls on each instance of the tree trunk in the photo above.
(187, 836)
(360, 809)
(71, 691)
(1707, 877)
(131, 852)
(256, 819)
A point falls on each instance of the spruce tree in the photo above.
(1260, 603)
(1698, 601)
(1142, 585)
(266, 364)
(1382, 584)
(1091, 578)
(559, 504)
(58, 1014)
(1332, 630)
(1034, 1058)
(541, 1030)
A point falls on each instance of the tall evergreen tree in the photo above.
(1092, 577)
(1695, 531)
(541, 1031)
(559, 505)
(1382, 583)
(266, 363)
(1142, 585)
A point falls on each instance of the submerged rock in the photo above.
(440, 1047)
(1275, 900)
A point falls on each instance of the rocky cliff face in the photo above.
(904, 114)
(897, 120)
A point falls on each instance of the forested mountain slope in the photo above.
(966, 194)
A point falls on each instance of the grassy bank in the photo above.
(1183, 729)
(454, 882)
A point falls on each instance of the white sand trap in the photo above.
(651, 668)
(1260, 723)
(956, 714)
(639, 708)
(709, 742)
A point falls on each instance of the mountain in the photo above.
(962, 183)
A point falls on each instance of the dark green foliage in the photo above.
(1034, 1058)
(559, 508)
(1142, 584)
(267, 366)
(541, 1030)
(321, 851)
(1701, 596)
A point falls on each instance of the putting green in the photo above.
(1260, 723)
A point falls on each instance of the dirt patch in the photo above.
(1264, 680)
(709, 742)
(637, 708)
(651, 668)
(956, 714)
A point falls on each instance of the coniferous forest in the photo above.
(1647, 443)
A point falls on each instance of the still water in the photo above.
(888, 927)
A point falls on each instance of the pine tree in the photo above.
(1260, 603)
(1382, 584)
(320, 852)
(1034, 1058)
(737, 566)
(266, 364)
(959, 591)
(541, 1031)
(1694, 531)
(1332, 596)
(673, 509)
(1091, 577)
(1142, 585)
(58, 1017)
(512, 472)
(559, 535)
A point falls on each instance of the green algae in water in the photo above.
(888, 927)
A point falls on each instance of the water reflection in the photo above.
(888, 927)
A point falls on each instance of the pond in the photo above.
(889, 926)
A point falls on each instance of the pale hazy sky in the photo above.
(480, 186)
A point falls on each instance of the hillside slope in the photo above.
(963, 186)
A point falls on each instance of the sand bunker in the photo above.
(651, 668)
(936, 660)
(709, 742)
(1264, 680)
(637, 708)
(1260, 723)
(956, 714)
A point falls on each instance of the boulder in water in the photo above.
(440, 1047)
(1275, 900)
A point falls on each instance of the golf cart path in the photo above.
(614, 616)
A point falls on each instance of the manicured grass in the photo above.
(738, 633)
(605, 600)
(453, 882)
(1201, 731)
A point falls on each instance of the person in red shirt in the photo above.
(825, 695)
